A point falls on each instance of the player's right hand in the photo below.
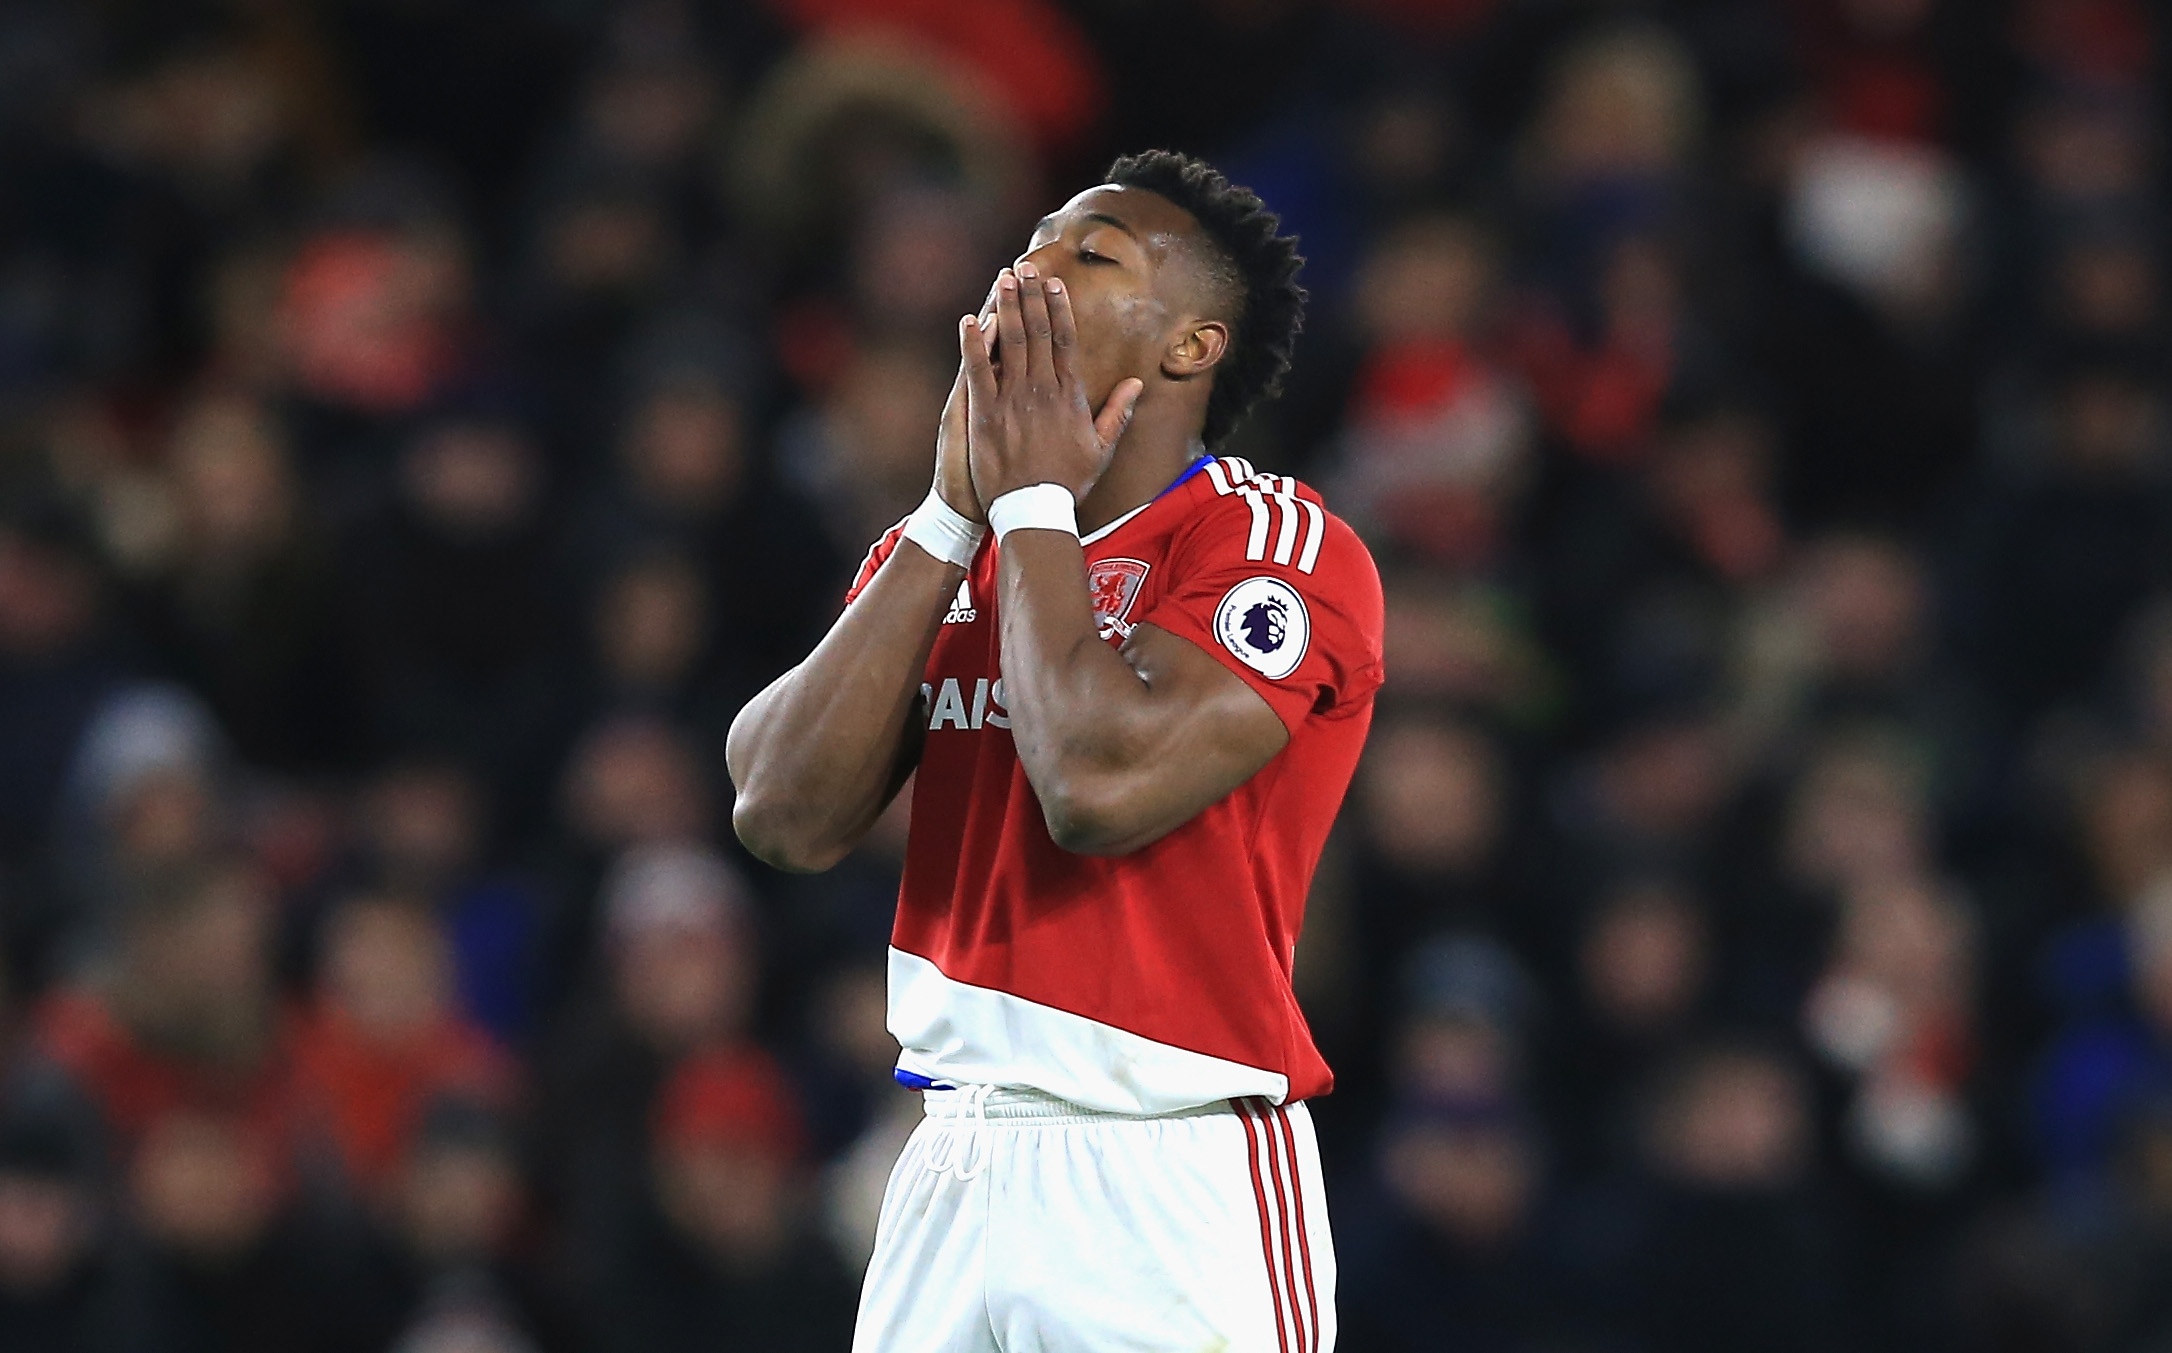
(953, 466)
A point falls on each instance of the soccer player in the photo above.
(1134, 680)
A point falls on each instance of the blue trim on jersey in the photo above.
(1194, 468)
(913, 1080)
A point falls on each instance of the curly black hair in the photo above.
(1256, 263)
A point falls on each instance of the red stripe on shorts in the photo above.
(1282, 1207)
(1304, 1239)
(1266, 1231)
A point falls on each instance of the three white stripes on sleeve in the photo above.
(1234, 474)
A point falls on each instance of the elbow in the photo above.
(781, 838)
(1085, 820)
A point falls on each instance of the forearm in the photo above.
(1078, 709)
(817, 755)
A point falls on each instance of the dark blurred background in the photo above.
(423, 422)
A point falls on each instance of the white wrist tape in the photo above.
(1043, 507)
(943, 532)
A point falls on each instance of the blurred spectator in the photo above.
(451, 1271)
(425, 832)
(231, 1254)
(2112, 1061)
(57, 1281)
(1438, 432)
(1735, 1249)
(385, 1039)
(721, 1254)
(1643, 966)
(184, 1019)
(453, 604)
(244, 609)
(675, 977)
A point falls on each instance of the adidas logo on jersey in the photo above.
(961, 610)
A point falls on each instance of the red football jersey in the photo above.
(1158, 980)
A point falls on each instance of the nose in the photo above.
(1051, 259)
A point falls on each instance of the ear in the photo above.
(1196, 350)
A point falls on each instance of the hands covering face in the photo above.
(1029, 421)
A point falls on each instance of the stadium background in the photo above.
(422, 422)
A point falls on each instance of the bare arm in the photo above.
(820, 753)
(1121, 748)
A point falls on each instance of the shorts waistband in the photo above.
(1008, 1107)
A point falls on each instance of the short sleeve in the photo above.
(1283, 594)
(880, 551)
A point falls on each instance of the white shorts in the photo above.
(1017, 1223)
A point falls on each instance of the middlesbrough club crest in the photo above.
(1114, 585)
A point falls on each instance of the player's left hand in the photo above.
(1029, 421)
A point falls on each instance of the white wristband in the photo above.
(942, 531)
(1043, 507)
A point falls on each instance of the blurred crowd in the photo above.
(424, 422)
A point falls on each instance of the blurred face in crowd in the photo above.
(1621, 105)
(1868, 599)
(919, 260)
(2109, 425)
(202, 1187)
(1858, 817)
(47, 597)
(606, 243)
(232, 477)
(1665, 780)
(388, 969)
(1454, 643)
(210, 117)
(733, 1200)
(162, 820)
(1732, 1122)
(1644, 958)
(2126, 810)
(1911, 939)
(2079, 150)
(458, 1200)
(882, 408)
(1432, 795)
(423, 823)
(651, 623)
(2107, 287)
(1430, 278)
(196, 972)
(682, 962)
(472, 481)
(648, 113)
(635, 781)
(46, 1227)
(1473, 1182)
(684, 446)
(1454, 1058)
(680, 987)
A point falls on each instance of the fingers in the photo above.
(1062, 333)
(1115, 415)
(1033, 302)
(979, 375)
(1010, 324)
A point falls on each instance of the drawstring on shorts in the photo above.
(971, 1123)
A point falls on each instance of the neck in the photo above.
(1154, 450)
